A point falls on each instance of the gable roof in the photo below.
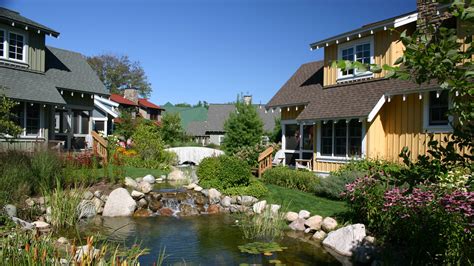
(12, 16)
(219, 113)
(64, 70)
(297, 90)
(349, 100)
(70, 70)
(29, 86)
(145, 103)
(121, 100)
(187, 114)
(197, 128)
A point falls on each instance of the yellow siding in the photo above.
(387, 49)
(398, 125)
(292, 113)
(326, 166)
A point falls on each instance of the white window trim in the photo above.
(105, 120)
(7, 46)
(340, 159)
(23, 134)
(355, 76)
(4, 44)
(426, 117)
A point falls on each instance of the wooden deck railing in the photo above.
(99, 146)
(265, 160)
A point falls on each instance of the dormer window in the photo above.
(13, 46)
(16, 43)
(362, 51)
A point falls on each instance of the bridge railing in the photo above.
(265, 160)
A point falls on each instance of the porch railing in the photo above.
(99, 146)
(265, 160)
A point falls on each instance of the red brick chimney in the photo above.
(429, 14)
(131, 94)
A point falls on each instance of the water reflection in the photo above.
(201, 240)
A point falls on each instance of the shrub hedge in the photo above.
(223, 172)
(285, 177)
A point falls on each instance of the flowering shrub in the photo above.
(427, 222)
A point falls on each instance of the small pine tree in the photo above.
(171, 129)
(243, 127)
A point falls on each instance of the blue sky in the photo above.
(210, 49)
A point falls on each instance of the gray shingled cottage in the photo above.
(55, 88)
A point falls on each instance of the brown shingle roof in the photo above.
(339, 101)
(299, 89)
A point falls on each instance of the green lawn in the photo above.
(295, 200)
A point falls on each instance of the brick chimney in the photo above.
(429, 14)
(247, 99)
(131, 94)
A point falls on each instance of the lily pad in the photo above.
(261, 248)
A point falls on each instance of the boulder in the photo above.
(138, 179)
(98, 194)
(137, 195)
(86, 209)
(187, 210)
(198, 188)
(205, 192)
(226, 201)
(40, 200)
(120, 203)
(149, 178)
(97, 203)
(10, 210)
(166, 212)
(346, 239)
(176, 175)
(291, 216)
(191, 186)
(129, 182)
(104, 198)
(235, 199)
(259, 207)
(142, 213)
(200, 199)
(328, 224)
(145, 187)
(42, 226)
(24, 224)
(369, 240)
(213, 209)
(62, 241)
(247, 200)
(49, 212)
(155, 205)
(214, 196)
(304, 214)
(274, 208)
(142, 203)
(319, 235)
(298, 225)
(314, 222)
(30, 202)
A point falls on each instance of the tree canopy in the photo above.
(7, 124)
(118, 71)
(243, 127)
(171, 129)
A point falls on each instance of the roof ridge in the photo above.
(62, 49)
(13, 11)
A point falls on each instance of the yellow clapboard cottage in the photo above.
(331, 116)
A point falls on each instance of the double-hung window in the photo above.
(16, 44)
(13, 46)
(360, 51)
(2, 43)
(28, 117)
(436, 106)
(341, 139)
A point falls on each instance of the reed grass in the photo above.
(267, 226)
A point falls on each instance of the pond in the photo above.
(201, 240)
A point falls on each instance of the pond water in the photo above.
(201, 240)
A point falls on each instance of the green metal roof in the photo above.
(187, 114)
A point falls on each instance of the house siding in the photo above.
(387, 49)
(292, 113)
(36, 52)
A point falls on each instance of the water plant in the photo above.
(266, 248)
(64, 206)
(267, 226)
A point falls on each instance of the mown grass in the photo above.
(295, 200)
(141, 172)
